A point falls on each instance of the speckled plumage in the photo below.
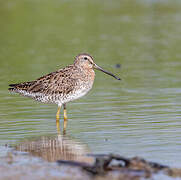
(63, 85)
(58, 87)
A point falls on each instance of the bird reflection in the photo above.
(55, 148)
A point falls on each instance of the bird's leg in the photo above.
(58, 119)
(65, 118)
(58, 113)
(65, 112)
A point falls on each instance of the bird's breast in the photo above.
(89, 75)
(84, 82)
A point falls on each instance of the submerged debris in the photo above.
(117, 65)
(132, 168)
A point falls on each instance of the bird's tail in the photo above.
(20, 87)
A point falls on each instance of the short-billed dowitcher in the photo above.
(63, 85)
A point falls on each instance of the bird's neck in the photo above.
(88, 73)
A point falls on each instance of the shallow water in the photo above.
(139, 115)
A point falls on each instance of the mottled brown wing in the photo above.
(58, 82)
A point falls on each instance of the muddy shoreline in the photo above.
(63, 158)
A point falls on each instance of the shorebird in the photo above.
(63, 85)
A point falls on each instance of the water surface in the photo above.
(139, 116)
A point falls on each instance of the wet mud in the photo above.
(63, 158)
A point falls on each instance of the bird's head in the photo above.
(86, 61)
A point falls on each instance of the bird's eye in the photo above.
(85, 58)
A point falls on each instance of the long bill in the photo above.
(100, 69)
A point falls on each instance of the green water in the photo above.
(139, 115)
